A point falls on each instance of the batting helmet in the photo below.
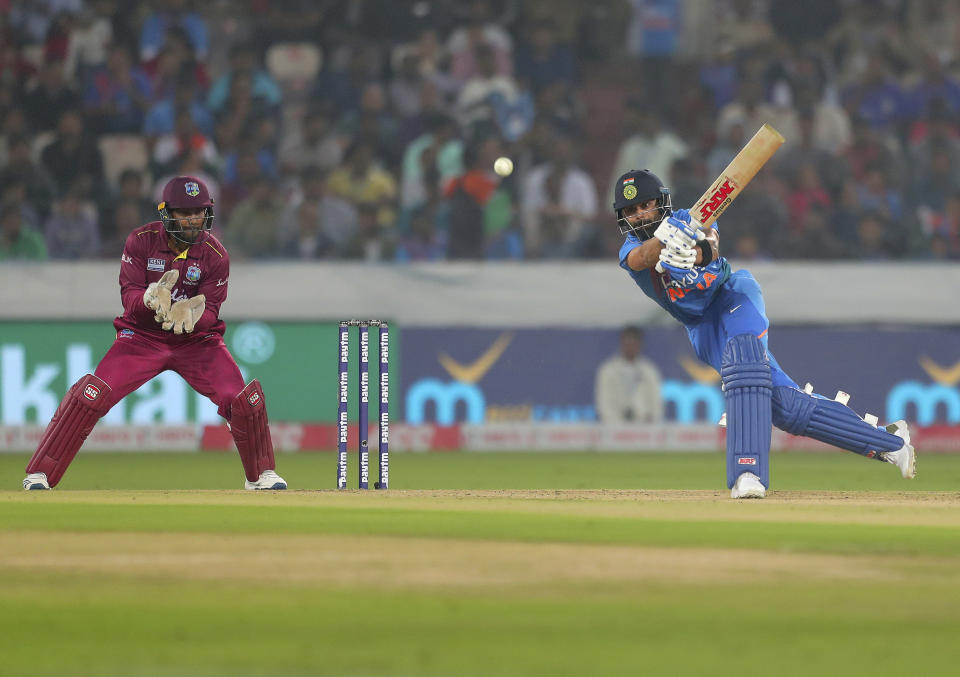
(185, 192)
(635, 187)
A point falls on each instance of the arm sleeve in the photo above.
(214, 288)
(133, 281)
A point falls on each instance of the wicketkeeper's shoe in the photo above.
(748, 485)
(268, 480)
(905, 457)
(36, 480)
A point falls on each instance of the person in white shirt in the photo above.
(628, 384)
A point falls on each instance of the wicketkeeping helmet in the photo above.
(185, 192)
(635, 187)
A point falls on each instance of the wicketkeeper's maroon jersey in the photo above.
(204, 269)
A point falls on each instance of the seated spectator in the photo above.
(73, 156)
(873, 238)
(117, 94)
(186, 138)
(936, 85)
(336, 218)
(465, 199)
(806, 194)
(177, 61)
(876, 194)
(123, 220)
(362, 180)
(49, 98)
(305, 239)
(18, 241)
(816, 237)
(559, 205)
(131, 187)
(627, 384)
(422, 239)
(942, 229)
(479, 30)
(156, 29)
(161, 117)
(876, 97)
(542, 61)
(648, 145)
(71, 231)
(372, 240)
(90, 38)
(374, 123)
(39, 186)
(829, 123)
(474, 101)
(311, 141)
(252, 229)
(243, 61)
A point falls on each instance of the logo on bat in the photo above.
(91, 392)
(720, 196)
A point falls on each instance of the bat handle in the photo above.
(658, 267)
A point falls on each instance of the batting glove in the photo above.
(684, 259)
(157, 295)
(673, 232)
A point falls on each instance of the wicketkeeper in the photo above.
(726, 322)
(173, 279)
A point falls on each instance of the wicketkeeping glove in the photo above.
(184, 314)
(157, 295)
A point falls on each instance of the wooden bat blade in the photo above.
(738, 174)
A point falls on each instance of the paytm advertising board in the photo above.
(482, 375)
(469, 375)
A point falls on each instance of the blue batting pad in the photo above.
(747, 386)
(829, 421)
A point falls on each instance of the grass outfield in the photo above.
(481, 564)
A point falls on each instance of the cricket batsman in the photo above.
(725, 319)
(173, 279)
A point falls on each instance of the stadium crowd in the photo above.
(353, 129)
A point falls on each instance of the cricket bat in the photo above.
(736, 176)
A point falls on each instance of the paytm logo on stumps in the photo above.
(445, 397)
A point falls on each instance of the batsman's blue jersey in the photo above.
(713, 304)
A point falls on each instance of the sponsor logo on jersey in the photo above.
(192, 188)
(126, 259)
(193, 274)
(156, 264)
(746, 460)
(126, 333)
(91, 392)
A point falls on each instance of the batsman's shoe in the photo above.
(905, 457)
(36, 480)
(268, 480)
(748, 485)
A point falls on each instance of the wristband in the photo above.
(707, 250)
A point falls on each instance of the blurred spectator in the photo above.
(480, 30)
(831, 169)
(362, 180)
(942, 229)
(374, 123)
(467, 198)
(806, 195)
(49, 98)
(19, 241)
(542, 60)
(73, 156)
(827, 123)
(815, 237)
(161, 117)
(936, 179)
(422, 240)
(653, 37)
(39, 186)
(71, 231)
(176, 63)
(252, 229)
(123, 220)
(131, 188)
(935, 85)
(311, 141)
(15, 70)
(868, 149)
(90, 35)
(261, 87)
(430, 161)
(474, 101)
(372, 241)
(648, 145)
(876, 194)
(873, 241)
(118, 94)
(751, 110)
(559, 205)
(876, 97)
(170, 13)
(324, 228)
(14, 196)
(627, 384)
(244, 169)
(169, 150)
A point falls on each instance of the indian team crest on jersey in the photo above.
(629, 190)
(192, 188)
(193, 274)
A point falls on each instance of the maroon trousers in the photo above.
(204, 362)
